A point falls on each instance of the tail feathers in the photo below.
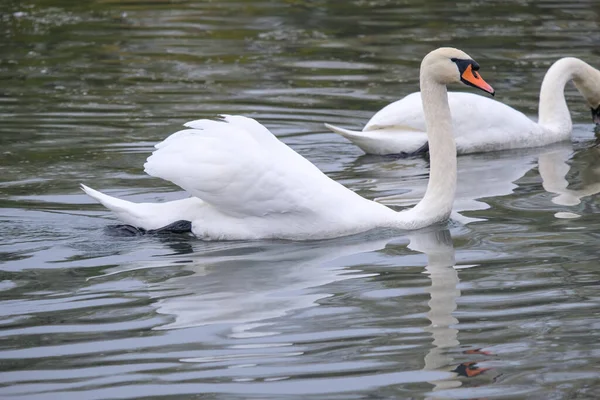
(390, 140)
(106, 200)
(347, 133)
(149, 216)
(357, 137)
(125, 210)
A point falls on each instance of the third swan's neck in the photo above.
(436, 205)
(553, 111)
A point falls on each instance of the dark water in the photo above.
(502, 302)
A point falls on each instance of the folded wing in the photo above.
(237, 166)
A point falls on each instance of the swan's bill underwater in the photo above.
(596, 115)
(245, 184)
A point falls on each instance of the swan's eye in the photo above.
(474, 67)
(462, 64)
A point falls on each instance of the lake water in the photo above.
(503, 301)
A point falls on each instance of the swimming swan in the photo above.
(246, 184)
(482, 124)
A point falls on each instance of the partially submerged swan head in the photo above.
(587, 82)
(590, 89)
(553, 107)
(454, 66)
(596, 115)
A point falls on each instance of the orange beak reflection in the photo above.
(473, 78)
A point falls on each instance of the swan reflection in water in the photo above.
(444, 292)
(246, 283)
(553, 168)
(487, 175)
(249, 284)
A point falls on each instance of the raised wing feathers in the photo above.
(238, 167)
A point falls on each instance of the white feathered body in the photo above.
(479, 124)
(246, 184)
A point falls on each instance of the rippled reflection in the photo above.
(89, 87)
(496, 174)
(269, 283)
(444, 292)
(554, 169)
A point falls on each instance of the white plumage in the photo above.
(246, 184)
(481, 124)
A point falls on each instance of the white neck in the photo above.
(436, 205)
(553, 111)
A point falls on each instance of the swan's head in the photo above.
(586, 79)
(596, 115)
(590, 89)
(449, 65)
(587, 83)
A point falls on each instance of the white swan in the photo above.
(483, 124)
(246, 184)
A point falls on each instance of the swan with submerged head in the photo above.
(246, 184)
(483, 124)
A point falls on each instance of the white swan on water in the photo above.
(482, 124)
(246, 184)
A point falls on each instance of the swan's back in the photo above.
(241, 169)
(470, 113)
(405, 114)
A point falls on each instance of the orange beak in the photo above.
(473, 78)
(478, 351)
(469, 369)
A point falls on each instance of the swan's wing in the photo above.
(239, 167)
(482, 116)
(472, 114)
(404, 115)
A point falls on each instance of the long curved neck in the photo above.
(436, 205)
(553, 111)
